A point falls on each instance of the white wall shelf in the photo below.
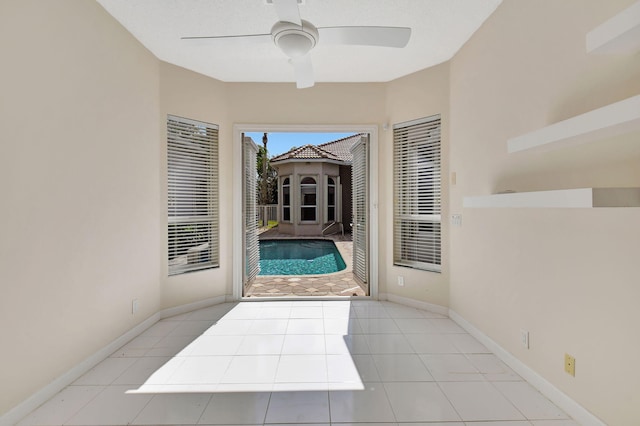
(618, 35)
(611, 120)
(562, 198)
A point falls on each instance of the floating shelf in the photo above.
(611, 120)
(562, 198)
(618, 35)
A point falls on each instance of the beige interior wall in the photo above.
(418, 95)
(325, 103)
(191, 95)
(79, 225)
(569, 277)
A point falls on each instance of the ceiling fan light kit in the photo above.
(294, 40)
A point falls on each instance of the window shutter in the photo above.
(417, 188)
(360, 210)
(192, 193)
(252, 245)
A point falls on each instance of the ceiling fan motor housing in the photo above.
(294, 40)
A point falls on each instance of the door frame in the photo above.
(237, 181)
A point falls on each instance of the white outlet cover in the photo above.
(524, 338)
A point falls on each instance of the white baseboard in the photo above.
(562, 400)
(21, 410)
(442, 310)
(40, 397)
(183, 309)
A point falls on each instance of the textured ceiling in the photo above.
(439, 29)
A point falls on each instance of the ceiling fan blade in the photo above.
(287, 11)
(303, 70)
(366, 36)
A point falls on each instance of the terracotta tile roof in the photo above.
(342, 147)
(336, 150)
(306, 152)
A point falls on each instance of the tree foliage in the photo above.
(267, 183)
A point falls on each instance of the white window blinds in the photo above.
(417, 194)
(192, 153)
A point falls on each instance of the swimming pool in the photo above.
(299, 257)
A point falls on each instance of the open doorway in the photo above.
(311, 199)
(305, 239)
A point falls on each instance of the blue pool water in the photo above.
(299, 257)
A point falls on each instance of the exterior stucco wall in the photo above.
(345, 181)
(296, 171)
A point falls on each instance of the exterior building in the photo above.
(315, 186)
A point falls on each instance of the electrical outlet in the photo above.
(400, 280)
(524, 338)
(135, 305)
(570, 365)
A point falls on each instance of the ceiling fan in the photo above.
(297, 37)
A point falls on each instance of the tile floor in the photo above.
(315, 362)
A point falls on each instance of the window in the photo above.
(308, 205)
(417, 203)
(331, 199)
(286, 200)
(192, 169)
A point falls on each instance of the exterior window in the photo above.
(308, 205)
(192, 172)
(286, 200)
(331, 199)
(417, 203)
